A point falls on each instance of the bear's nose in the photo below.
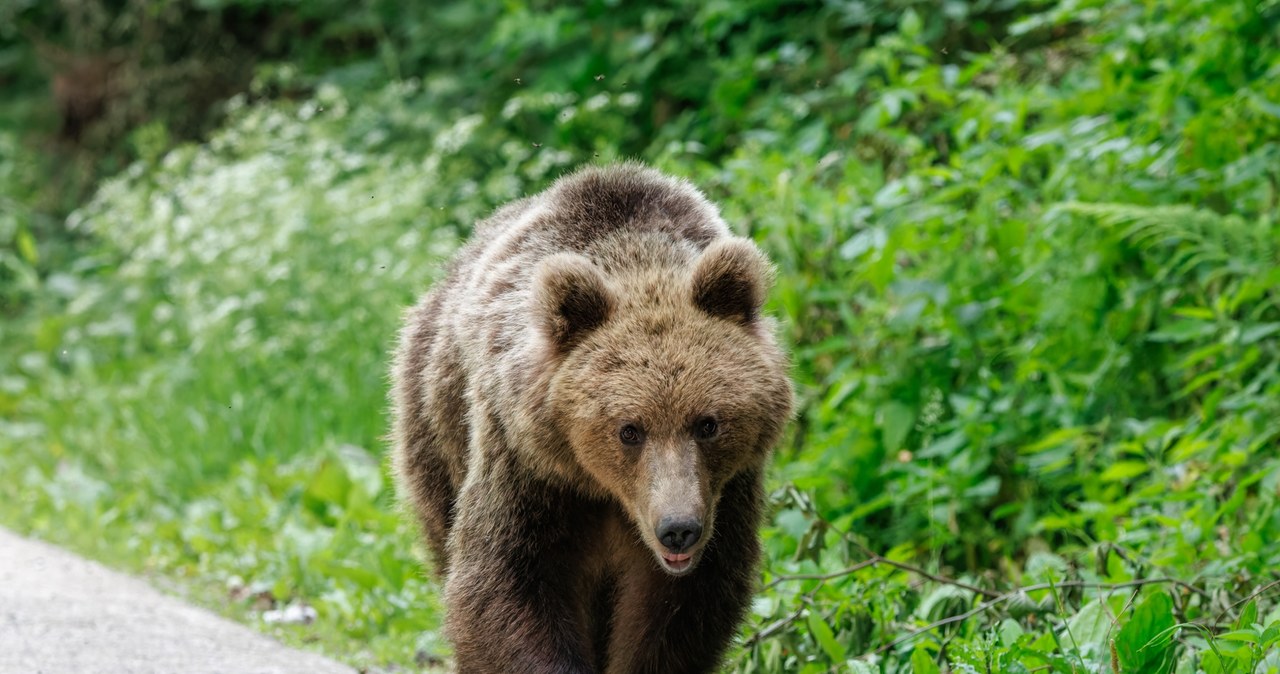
(678, 533)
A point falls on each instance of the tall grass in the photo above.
(1029, 285)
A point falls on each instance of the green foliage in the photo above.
(1145, 643)
(19, 252)
(1028, 262)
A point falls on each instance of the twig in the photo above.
(872, 556)
(946, 621)
(1255, 595)
(874, 559)
(1013, 593)
(783, 622)
(1133, 558)
(993, 597)
(778, 580)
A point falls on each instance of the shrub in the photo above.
(1027, 256)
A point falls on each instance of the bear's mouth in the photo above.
(676, 564)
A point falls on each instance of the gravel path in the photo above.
(60, 614)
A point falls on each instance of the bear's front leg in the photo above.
(514, 595)
(666, 624)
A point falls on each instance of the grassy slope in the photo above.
(998, 381)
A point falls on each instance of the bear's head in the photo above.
(668, 381)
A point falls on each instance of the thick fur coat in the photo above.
(584, 408)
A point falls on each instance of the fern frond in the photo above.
(1197, 238)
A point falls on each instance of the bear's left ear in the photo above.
(571, 299)
(731, 279)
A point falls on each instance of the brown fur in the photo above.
(615, 300)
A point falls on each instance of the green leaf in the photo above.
(1053, 440)
(1089, 626)
(945, 446)
(330, 484)
(1246, 636)
(1212, 664)
(911, 24)
(1145, 642)
(27, 247)
(863, 242)
(825, 637)
(1182, 331)
(922, 662)
(1248, 616)
(897, 420)
(1257, 333)
(1010, 631)
(1123, 470)
(1270, 635)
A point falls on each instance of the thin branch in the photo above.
(1187, 586)
(994, 598)
(778, 580)
(872, 556)
(874, 559)
(1259, 592)
(945, 621)
(1013, 593)
(783, 622)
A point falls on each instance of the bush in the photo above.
(1028, 259)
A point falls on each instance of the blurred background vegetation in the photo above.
(1029, 259)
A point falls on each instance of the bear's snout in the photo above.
(678, 534)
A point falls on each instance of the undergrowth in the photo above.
(1028, 261)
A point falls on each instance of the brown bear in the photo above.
(584, 408)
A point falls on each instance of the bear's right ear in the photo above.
(730, 280)
(571, 299)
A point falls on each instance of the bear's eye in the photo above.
(631, 435)
(706, 428)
